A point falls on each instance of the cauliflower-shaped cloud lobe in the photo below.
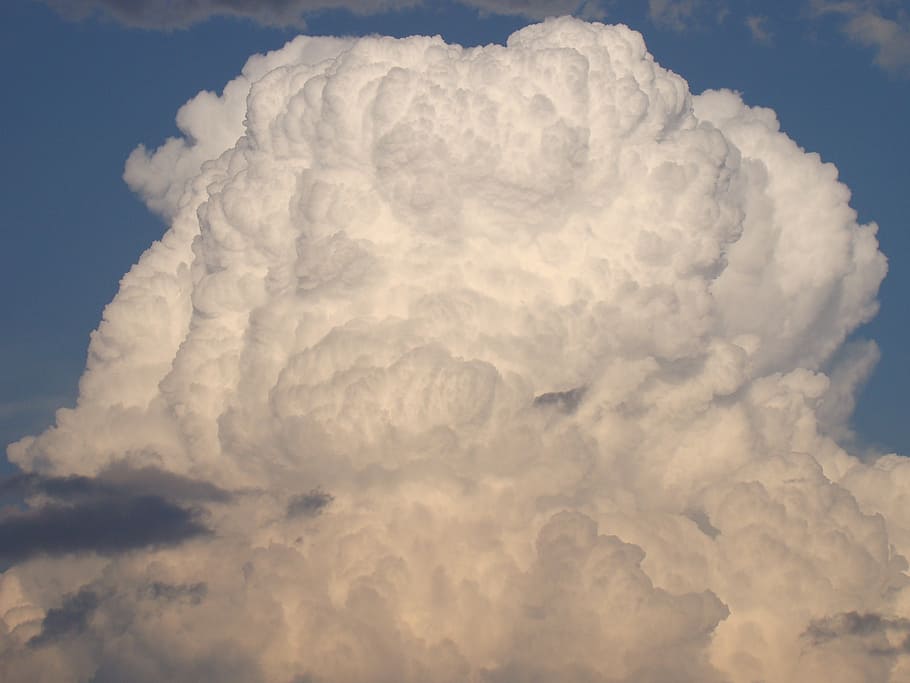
(521, 363)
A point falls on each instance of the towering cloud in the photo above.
(496, 364)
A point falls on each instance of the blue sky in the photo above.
(81, 94)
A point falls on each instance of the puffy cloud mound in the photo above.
(513, 363)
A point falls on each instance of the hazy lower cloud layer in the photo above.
(182, 13)
(882, 25)
(520, 364)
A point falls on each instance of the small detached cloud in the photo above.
(890, 39)
(680, 15)
(672, 13)
(877, 24)
(758, 27)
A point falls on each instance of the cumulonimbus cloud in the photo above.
(529, 362)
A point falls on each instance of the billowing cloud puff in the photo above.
(518, 362)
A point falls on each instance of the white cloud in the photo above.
(672, 13)
(758, 27)
(883, 25)
(682, 15)
(890, 38)
(382, 252)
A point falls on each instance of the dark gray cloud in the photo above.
(566, 401)
(309, 504)
(68, 619)
(227, 665)
(121, 509)
(194, 593)
(853, 624)
(703, 522)
(106, 525)
(65, 488)
(116, 480)
(867, 626)
(160, 482)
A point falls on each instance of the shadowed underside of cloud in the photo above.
(855, 624)
(868, 645)
(121, 509)
(117, 480)
(107, 525)
(70, 617)
(309, 504)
